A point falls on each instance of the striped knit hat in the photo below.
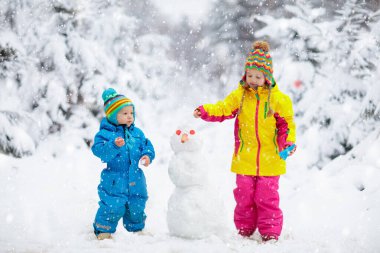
(113, 103)
(260, 59)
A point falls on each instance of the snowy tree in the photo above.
(303, 41)
(354, 40)
(356, 52)
(58, 56)
(335, 59)
(229, 35)
(186, 49)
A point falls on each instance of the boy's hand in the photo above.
(145, 160)
(197, 113)
(119, 142)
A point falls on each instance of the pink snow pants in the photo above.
(257, 205)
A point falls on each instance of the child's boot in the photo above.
(245, 232)
(142, 232)
(103, 236)
(269, 238)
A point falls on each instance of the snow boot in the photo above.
(269, 238)
(142, 232)
(245, 232)
(103, 236)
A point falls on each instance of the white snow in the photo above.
(48, 200)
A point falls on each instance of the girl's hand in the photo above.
(293, 151)
(119, 142)
(197, 113)
(145, 160)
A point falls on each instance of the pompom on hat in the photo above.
(113, 103)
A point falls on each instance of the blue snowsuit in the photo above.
(122, 189)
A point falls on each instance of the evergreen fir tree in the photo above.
(58, 56)
(341, 55)
(230, 33)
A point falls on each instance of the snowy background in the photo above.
(56, 58)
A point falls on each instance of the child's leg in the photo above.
(107, 217)
(111, 204)
(134, 217)
(269, 215)
(245, 210)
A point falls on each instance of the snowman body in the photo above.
(192, 208)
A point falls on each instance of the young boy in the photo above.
(122, 189)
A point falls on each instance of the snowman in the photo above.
(193, 207)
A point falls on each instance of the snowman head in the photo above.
(185, 139)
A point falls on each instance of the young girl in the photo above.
(122, 189)
(263, 127)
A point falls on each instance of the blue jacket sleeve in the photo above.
(148, 149)
(104, 148)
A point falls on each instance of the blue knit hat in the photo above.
(113, 103)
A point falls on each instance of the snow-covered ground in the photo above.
(53, 79)
(48, 201)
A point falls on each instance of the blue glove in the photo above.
(285, 153)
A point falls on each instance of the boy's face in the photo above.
(255, 78)
(125, 116)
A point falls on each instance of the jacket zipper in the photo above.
(257, 134)
(128, 172)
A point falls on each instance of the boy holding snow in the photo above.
(263, 127)
(122, 189)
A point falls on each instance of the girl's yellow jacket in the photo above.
(258, 138)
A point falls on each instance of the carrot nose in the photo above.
(184, 138)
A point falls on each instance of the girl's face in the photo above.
(255, 78)
(125, 116)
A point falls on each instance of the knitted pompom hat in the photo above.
(260, 59)
(113, 103)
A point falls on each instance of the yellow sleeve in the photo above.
(224, 109)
